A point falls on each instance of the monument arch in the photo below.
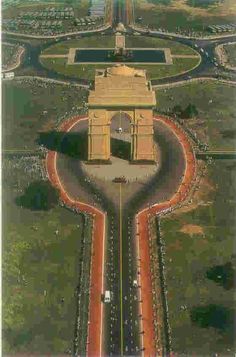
(121, 89)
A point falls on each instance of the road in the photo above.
(209, 67)
(122, 321)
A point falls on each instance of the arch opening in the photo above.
(120, 134)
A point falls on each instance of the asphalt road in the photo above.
(122, 328)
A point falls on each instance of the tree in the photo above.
(39, 195)
(190, 111)
(223, 275)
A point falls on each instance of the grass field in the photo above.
(215, 122)
(231, 53)
(179, 15)
(41, 251)
(109, 41)
(33, 106)
(175, 47)
(91, 41)
(8, 53)
(88, 71)
(200, 267)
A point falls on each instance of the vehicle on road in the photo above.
(107, 297)
(120, 179)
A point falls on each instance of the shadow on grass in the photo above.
(223, 275)
(72, 144)
(18, 338)
(121, 149)
(76, 144)
(228, 134)
(219, 317)
(39, 196)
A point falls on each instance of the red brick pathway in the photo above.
(142, 218)
(95, 326)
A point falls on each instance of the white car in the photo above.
(107, 296)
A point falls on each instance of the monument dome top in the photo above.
(123, 70)
(120, 27)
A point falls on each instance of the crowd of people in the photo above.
(83, 289)
(29, 165)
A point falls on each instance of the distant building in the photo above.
(9, 75)
(222, 28)
(97, 8)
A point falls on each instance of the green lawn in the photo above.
(175, 47)
(88, 71)
(40, 268)
(215, 102)
(109, 41)
(231, 53)
(174, 17)
(91, 41)
(197, 278)
(180, 65)
(30, 107)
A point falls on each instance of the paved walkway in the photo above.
(193, 80)
(51, 80)
(179, 35)
(100, 29)
(53, 56)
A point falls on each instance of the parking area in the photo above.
(51, 20)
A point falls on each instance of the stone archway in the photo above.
(141, 133)
(121, 89)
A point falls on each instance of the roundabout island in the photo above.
(79, 58)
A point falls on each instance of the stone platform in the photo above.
(120, 167)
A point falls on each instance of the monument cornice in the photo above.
(120, 106)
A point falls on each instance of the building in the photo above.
(9, 75)
(121, 89)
